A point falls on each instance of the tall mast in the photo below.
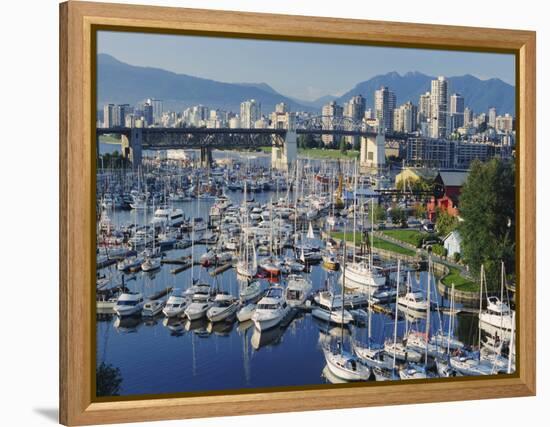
(343, 287)
(428, 311)
(396, 313)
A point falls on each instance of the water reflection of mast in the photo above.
(246, 356)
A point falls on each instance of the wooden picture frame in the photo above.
(77, 215)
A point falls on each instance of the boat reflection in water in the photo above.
(269, 337)
(128, 324)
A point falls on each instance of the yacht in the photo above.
(224, 306)
(167, 217)
(130, 263)
(371, 355)
(360, 275)
(413, 371)
(401, 351)
(128, 304)
(271, 309)
(175, 305)
(466, 364)
(330, 262)
(498, 314)
(298, 290)
(413, 301)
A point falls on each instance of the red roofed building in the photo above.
(447, 188)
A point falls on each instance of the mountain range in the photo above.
(119, 83)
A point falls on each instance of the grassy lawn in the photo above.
(407, 236)
(461, 283)
(265, 149)
(377, 242)
(109, 139)
(320, 153)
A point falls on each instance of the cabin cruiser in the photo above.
(498, 314)
(224, 306)
(327, 300)
(167, 217)
(345, 365)
(128, 304)
(175, 305)
(359, 275)
(271, 309)
(413, 301)
(200, 303)
(297, 290)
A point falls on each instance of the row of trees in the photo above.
(310, 141)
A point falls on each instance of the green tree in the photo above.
(445, 223)
(487, 206)
(398, 215)
(377, 213)
(343, 145)
(420, 210)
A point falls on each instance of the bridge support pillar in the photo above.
(206, 157)
(283, 157)
(373, 152)
(131, 147)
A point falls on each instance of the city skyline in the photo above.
(313, 65)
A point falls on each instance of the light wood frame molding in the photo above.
(77, 220)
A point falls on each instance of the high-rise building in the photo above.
(405, 118)
(439, 108)
(424, 108)
(281, 108)
(108, 115)
(384, 104)
(355, 110)
(457, 111)
(148, 113)
(250, 113)
(492, 117)
(157, 109)
(468, 116)
(504, 124)
(331, 111)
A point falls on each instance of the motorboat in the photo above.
(271, 309)
(414, 301)
(298, 290)
(175, 305)
(224, 307)
(200, 303)
(130, 263)
(334, 316)
(329, 301)
(246, 312)
(128, 304)
(251, 292)
(153, 307)
(330, 262)
(151, 264)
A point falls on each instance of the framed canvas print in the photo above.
(266, 213)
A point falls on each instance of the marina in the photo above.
(228, 277)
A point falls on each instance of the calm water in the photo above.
(158, 356)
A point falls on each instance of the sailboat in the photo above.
(341, 363)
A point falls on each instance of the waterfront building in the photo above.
(250, 113)
(457, 111)
(330, 112)
(439, 108)
(429, 152)
(384, 105)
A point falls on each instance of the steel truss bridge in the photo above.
(213, 138)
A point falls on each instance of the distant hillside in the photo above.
(123, 83)
(478, 94)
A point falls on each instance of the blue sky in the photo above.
(300, 70)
